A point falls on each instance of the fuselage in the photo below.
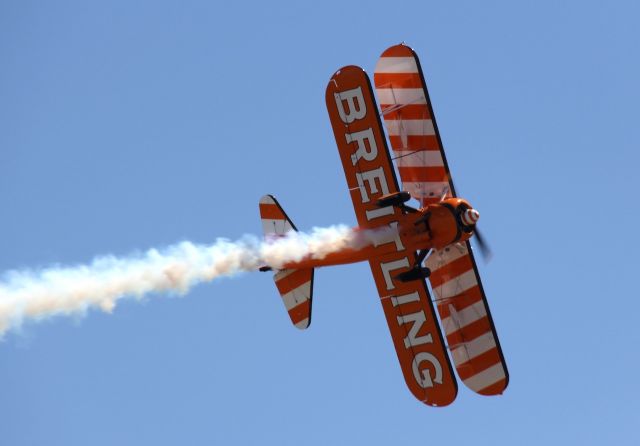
(434, 226)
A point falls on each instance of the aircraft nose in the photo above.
(470, 217)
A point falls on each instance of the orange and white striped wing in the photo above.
(411, 125)
(420, 159)
(466, 320)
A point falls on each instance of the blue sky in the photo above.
(126, 126)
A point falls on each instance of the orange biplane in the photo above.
(430, 242)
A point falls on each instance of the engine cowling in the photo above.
(450, 221)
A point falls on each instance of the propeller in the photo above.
(483, 245)
(485, 249)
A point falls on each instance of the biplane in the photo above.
(429, 242)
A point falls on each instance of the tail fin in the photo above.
(294, 285)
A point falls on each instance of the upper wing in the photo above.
(423, 168)
(411, 126)
(369, 172)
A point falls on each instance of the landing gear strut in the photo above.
(415, 273)
(418, 271)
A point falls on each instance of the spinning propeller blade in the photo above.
(485, 249)
(483, 245)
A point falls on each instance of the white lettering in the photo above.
(417, 320)
(370, 176)
(351, 97)
(423, 377)
(406, 298)
(362, 138)
(379, 212)
(392, 266)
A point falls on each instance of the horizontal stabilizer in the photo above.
(294, 285)
(274, 219)
(296, 288)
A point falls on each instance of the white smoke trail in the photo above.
(35, 295)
